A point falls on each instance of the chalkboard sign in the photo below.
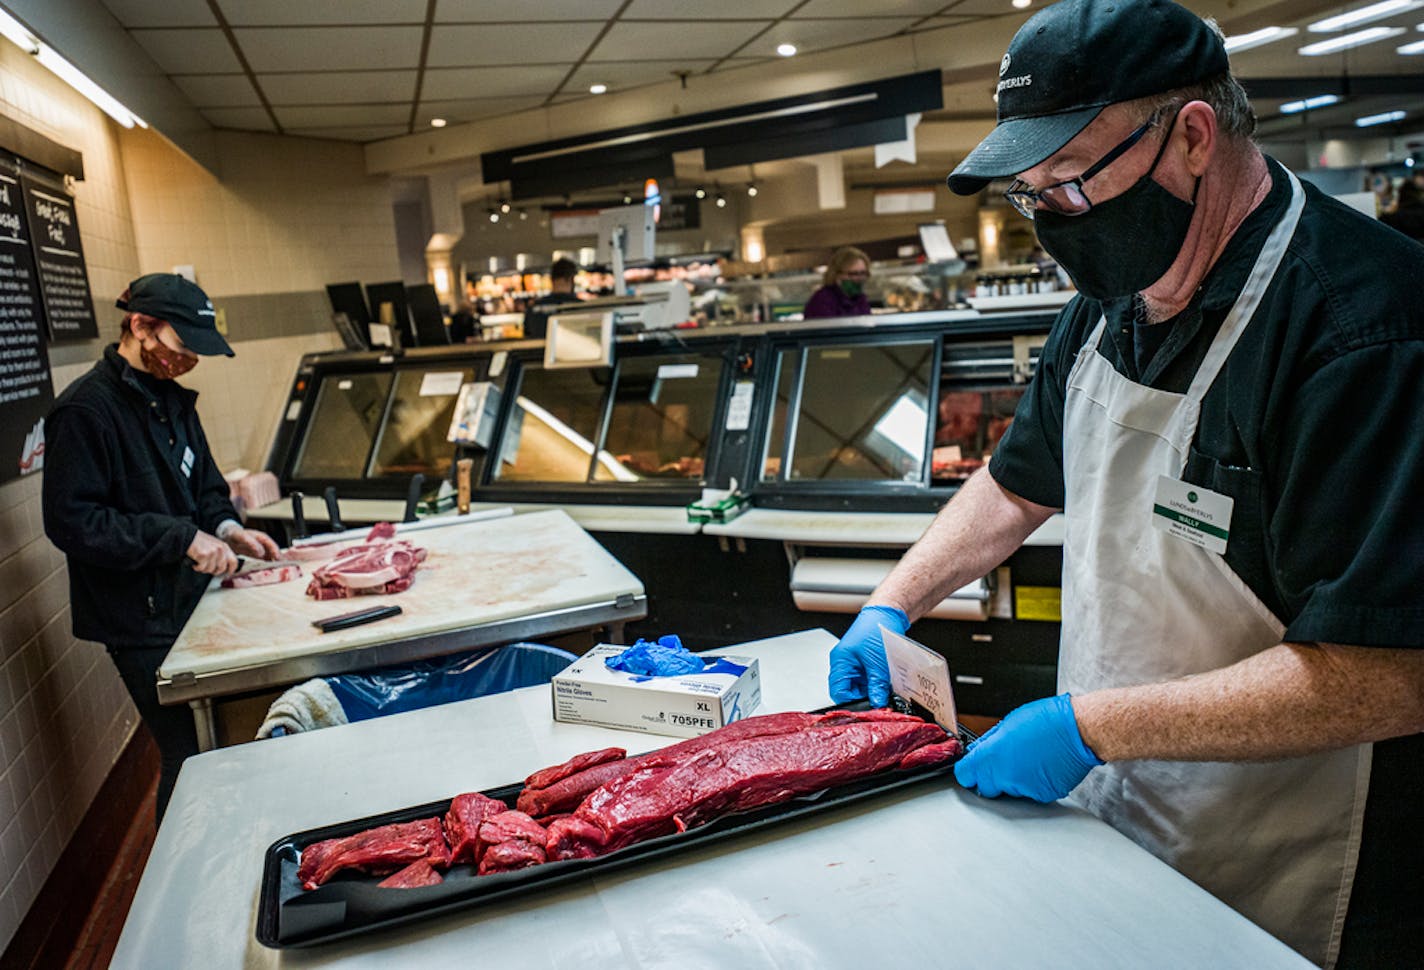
(26, 391)
(59, 257)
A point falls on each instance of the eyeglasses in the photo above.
(1068, 198)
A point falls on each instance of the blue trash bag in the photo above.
(393, 690)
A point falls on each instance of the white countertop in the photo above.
(930, 876)
(852, 528)
(476, 573)
(660, 519)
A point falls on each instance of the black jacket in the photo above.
(117, 503)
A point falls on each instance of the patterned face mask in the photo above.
(165, 363)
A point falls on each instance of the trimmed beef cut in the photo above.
(370, 568)
(509, 841)
(462, 823)
(570, 785)
(417, 874)
(381, 530)
(378, 851)
(672, 794)
(579, 762)
(264, 577)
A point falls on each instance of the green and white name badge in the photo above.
(1198, 515)
(921, 675)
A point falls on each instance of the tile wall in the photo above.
(282, 218)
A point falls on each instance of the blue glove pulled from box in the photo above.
(665, 657)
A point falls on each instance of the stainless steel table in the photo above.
(484, 582)
(930, 877)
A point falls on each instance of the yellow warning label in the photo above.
(1038, 603)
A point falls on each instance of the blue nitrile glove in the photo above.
(666, 657)
(858, 665)
(1036, 752)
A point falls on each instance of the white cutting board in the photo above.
(475, 573)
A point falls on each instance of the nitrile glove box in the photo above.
(683, 706)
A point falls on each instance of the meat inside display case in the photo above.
(650, 418)
(977, 400)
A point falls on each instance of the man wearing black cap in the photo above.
(1231, 417)
(133, 498)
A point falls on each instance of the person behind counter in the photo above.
(561, 290)
(843, 291)
(134, 500)
(1230, 414)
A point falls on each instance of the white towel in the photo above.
(305, 707)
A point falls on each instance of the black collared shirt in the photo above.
(1315, 428)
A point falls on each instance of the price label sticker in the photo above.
(921, 675)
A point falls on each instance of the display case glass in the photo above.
(661, 421)
(861, 413)
(551, 430)
(346, 417)
(977, 399)
(413, 436)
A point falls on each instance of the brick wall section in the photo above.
(281, 219)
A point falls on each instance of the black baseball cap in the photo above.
(182, 305)
(1072, 60)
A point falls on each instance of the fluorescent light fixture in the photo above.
(786, 50)
(1023, 4)
(1380, 119)
(1319, 101)
(22, 37)
(1364, 15)
(1258, 38)
(597, 88)
(437, 122)
(1360, 37)
(1417, 47)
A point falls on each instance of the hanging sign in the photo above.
(26, 391)
(59, 258)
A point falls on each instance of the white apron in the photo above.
(1277, 841)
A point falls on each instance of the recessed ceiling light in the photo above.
(1360, 37)
(701, 193)
(1258, 38)
(1023, 4)
(751, 189)
(1319, 101)
(437, 122)
(597, 88)
(1379, 119)
(1363, 15)
(786, 50)
(1417, 47)
(504, 207)
(721, 201)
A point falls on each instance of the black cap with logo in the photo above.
(181, 304)
(1072, 60)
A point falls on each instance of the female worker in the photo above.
(843, 292)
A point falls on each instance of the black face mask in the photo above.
(1123, 245)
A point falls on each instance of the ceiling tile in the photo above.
(492, 82)
(631, 42)
(813, 35)
(461, 45)
(338, 87)
(252, 118)
(493, 11)
(870, 8)
(219, 90)
(329, 48)
(994, 8)
(189, 51)
(722, 10)
(934, 23)
(162, 13)
(344, 116)
(470, 109)
(627, 74)
(263, 13)
(368, 133)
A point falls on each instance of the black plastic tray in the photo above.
(352, 903)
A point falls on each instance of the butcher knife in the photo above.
(333, 508)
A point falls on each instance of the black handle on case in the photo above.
(333, 511)
(299, 516)
(412, 496)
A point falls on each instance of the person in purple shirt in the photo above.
(843, 294)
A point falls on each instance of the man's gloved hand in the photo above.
(211, 555)
(858, 665)
(1036, 752)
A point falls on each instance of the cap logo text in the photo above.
(1021, 81)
